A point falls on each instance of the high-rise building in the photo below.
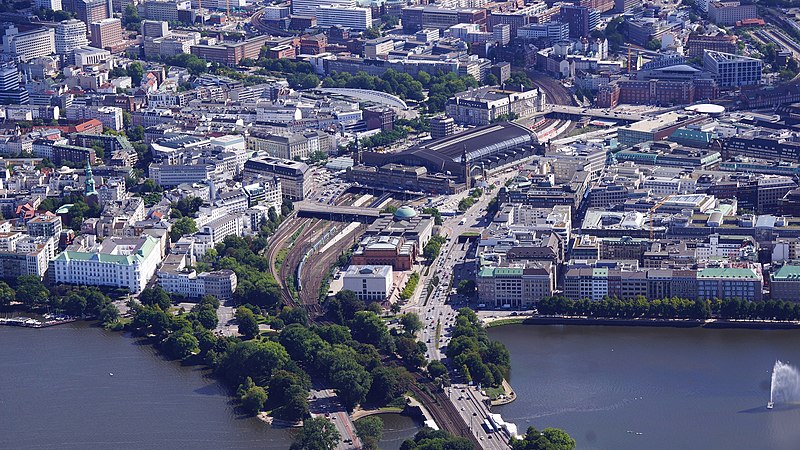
(27, 45)
(10, 91)
(70, 34)
(344, 16)
(308, 8)
(154, 28)
(89, 11)
(106, 33)
(581, 19)
(55, 5)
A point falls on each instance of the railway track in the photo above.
(443, 411)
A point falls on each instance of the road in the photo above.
(324, 404)
(437, 310)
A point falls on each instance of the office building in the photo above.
(515, 287)
(442, 127)
(295, 177)
(231, 54)
(27, 45)
(720, 42)
(106, 34)
(293, 146)
(555, 31)
(344, 16)
(370, 283)
(69, 35)
(308, 8)
(416, 18)
(731, 71)
(109, 116)
(88, 11)
(154, 28)
(11, 92)
(730, 12)
(581, 19)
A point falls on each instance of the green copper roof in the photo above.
(144, 251)
(405, 212)
(787, 272)
(727, 272)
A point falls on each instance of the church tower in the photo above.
(89, 189)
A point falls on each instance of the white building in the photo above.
(344, 16)
(175, 278)
(118, 262)
(110, 116)
(308, 8)
(55, 5)
(69, 35)
(27, 45)
(214, 232)
(169, 175)
(370, 283)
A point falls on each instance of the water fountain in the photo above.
(785, 384)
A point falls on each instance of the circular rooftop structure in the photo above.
(707, 108)
(404, 213)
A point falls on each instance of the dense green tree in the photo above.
(248, 325)
(253, 400)
(344, 306)
(208, 318)
(428, 439)
(351, 386)
(388, 383)
(156, 297)
(7, 294)
(368, 328)
(411, 323)
(370, 431)
(31, 291)
(182, 227)
(75, 304)
(437, 369)
(255, 359)
(548, 439)
(317, 434)
(181, 345)
(109, 314)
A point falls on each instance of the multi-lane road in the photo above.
(437, 309)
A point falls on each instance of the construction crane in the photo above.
(653, 210)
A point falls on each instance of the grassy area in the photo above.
(438, 332)
(501, 322)
(494, 392)
(470, 234)
(280, 257)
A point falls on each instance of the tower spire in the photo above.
(89, 190)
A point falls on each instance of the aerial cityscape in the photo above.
(444, 224)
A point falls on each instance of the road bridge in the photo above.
(573, 112)
(336, 212)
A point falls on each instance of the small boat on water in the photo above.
(770, 405)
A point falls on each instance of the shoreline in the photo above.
(662, 323)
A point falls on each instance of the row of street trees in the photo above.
(671, 308)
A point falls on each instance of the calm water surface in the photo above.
(56, 393)
(681, 389)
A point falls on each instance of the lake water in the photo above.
(56, 393)
(679, 388)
